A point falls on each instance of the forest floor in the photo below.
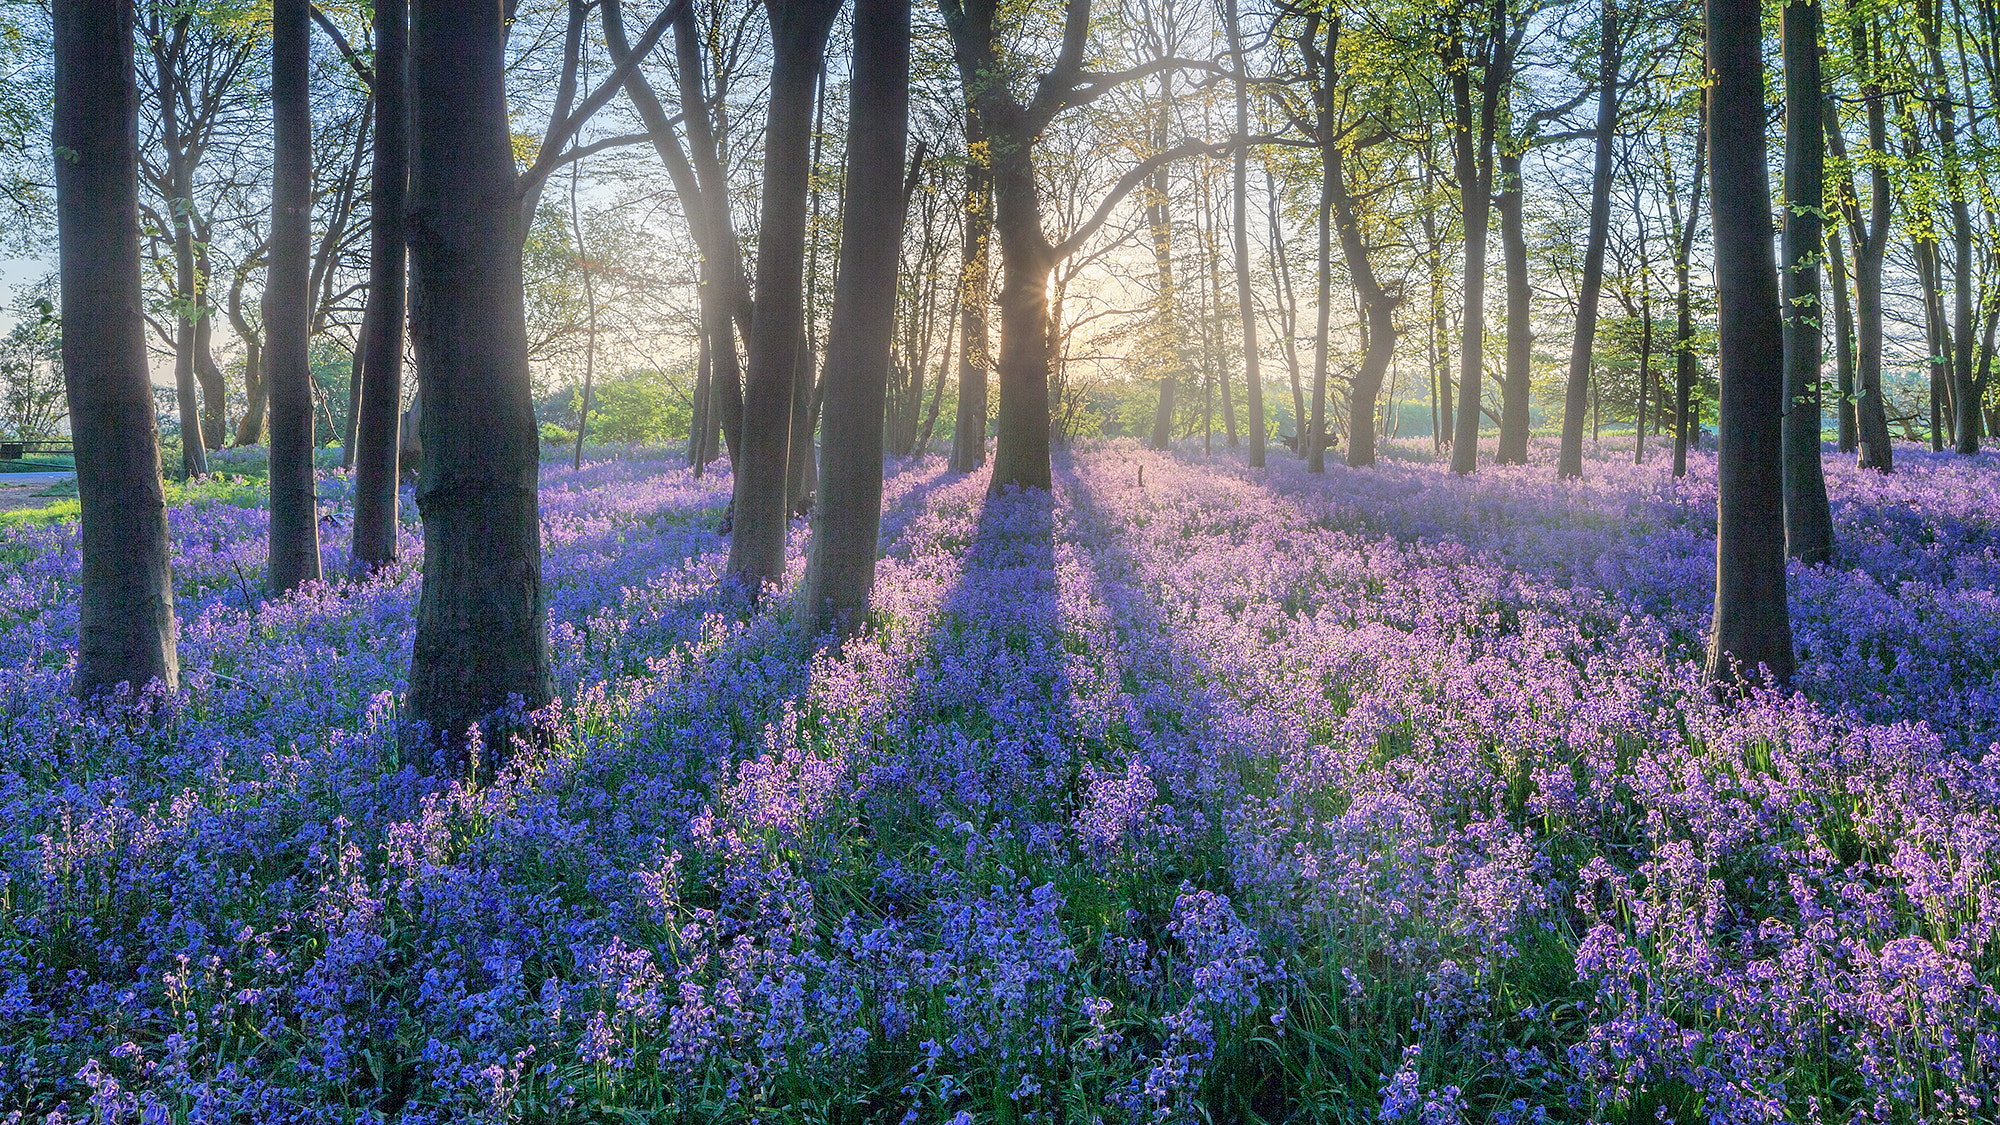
(1383, 795)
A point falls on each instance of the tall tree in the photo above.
(1752, 628)
(1870, 236)
(1569, 462)
(1493, 42)
(968, 436)
(288, 303)
(757, 542)
(126, 629)
(378, 418)
(1028, 257)
(1253, 378)
(482, 621)
(840, 570)
(1808, 519)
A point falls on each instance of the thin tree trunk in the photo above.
(1808, 518)
(482, 621)
(1843, 340)
(377, 433)
(288, 304)
(968, 444)
(1215, 320)
(1870, 242)
(840, 569)
(1514, 386)
(126, 633)
(757, 540)
(1570, 461)
(590, 312)
(1684, 359)
(1288, 309)
(1165, 325)
(1752, 628)
(1313, 439)
(1253, 376)
(802, 460)
(213, 383)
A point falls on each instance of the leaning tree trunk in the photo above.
(482, 621)
(125, 623)
(968, 435)
(1808, 519)
(1514, 385)
(1752, 633)
(757, 541)
(1378, 311)
(288, 304)
(1569, 462)
(847, 516)
(377, 426)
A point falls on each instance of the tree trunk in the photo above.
(1684, 360)
(1377, 309)
(1473, 155)
(1288, 310)
(1312, 439)
(1021, 443)
(1570, 461)
(1752, 628)
(1843, 340)
(377, 432)
(757, 540)
(482, 621)
(968, 439)
(288, 304)
(1253, 376)
(1808, 519)
(214, 385)
(1514, 387)
(1164, 326)
(802, 458)
(722, 297)
(125, 628)
(1870, 243)
(840, 568)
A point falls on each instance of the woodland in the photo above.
(1004, 561)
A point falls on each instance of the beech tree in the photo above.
(377, 422)
(482, 621)
(757, 540)
(1570, 459)
(840, 570)
(288, 304)
(126, 631)
(1808, 518)
(1752, 627)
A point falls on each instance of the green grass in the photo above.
(217, 488)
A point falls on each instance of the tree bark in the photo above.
(126, 633)
(1685, 367)
(377, 432)
(1377, 309)
(847, 517)
(482, 621)
(1514, 386)
(1808, 518)
(1021, 441)
(1752, 635)
(288, 304)
(1312, 440)
(1253, 376)
(1570, 461)
(1473, 155)
(968, 439)
(757, 539)
(1843, 340)
(1870, 243)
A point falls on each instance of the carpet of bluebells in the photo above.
(1233, 795)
